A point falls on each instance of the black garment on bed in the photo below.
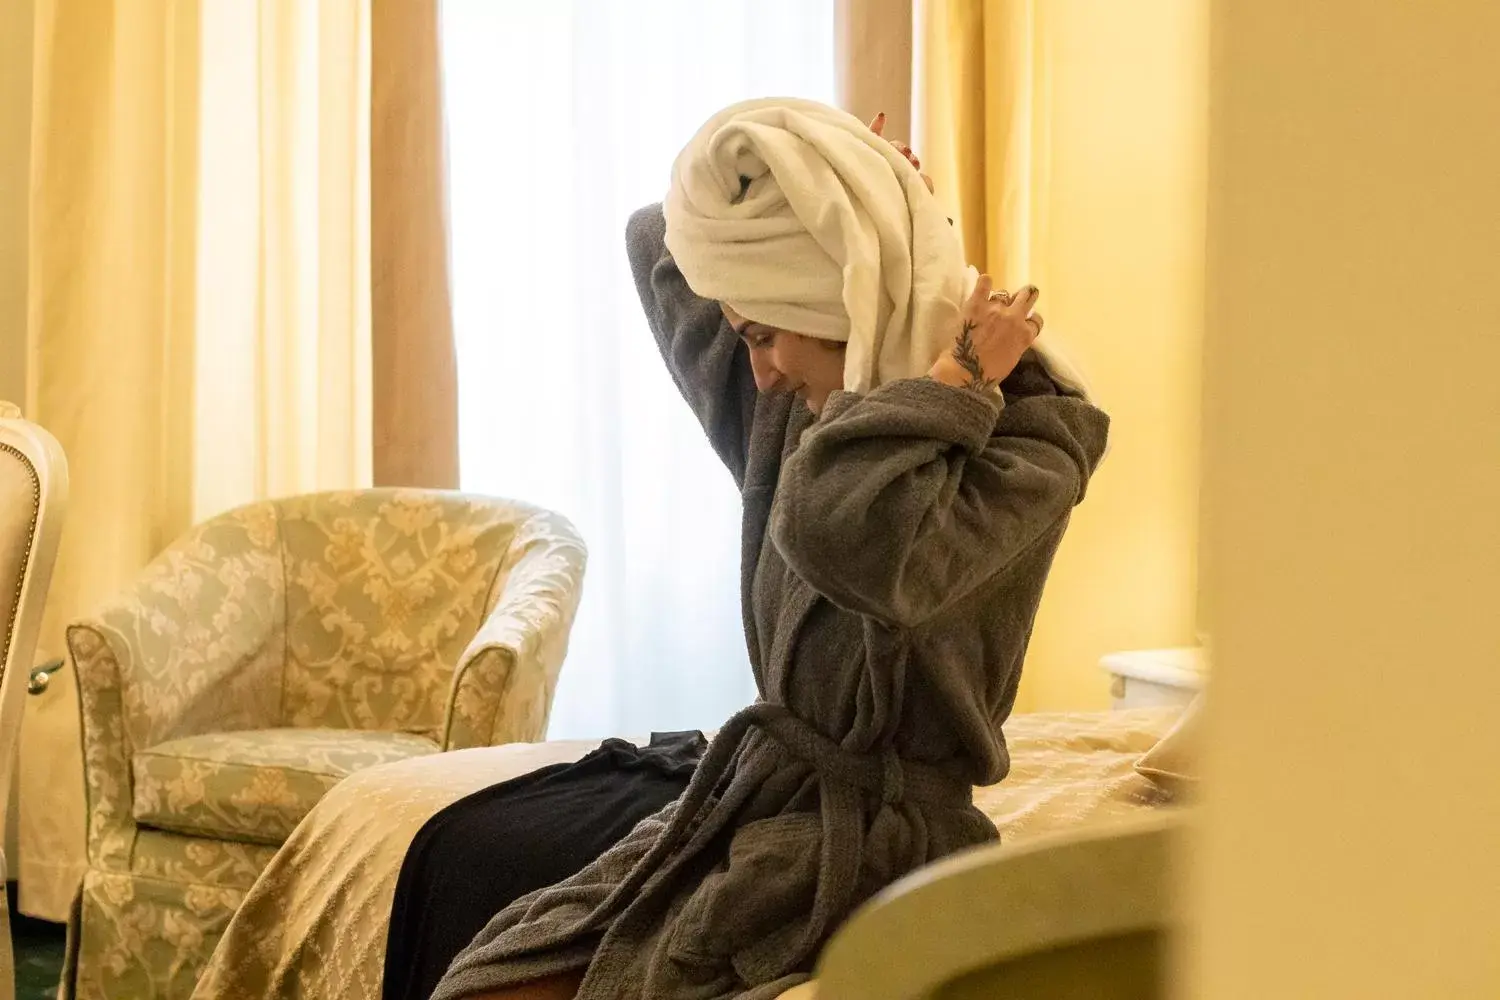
(488, 849)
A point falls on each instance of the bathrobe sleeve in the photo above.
(709, 363)
(901, 502)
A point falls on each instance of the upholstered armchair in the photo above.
(266, 655)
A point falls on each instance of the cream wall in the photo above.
(15, 141)
(1123, 117)
(1352, 483)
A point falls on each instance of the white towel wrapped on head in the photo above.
(796, 215)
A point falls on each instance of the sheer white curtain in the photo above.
(563, 118)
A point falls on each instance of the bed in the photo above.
(314, 924)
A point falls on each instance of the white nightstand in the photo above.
(1155, 676)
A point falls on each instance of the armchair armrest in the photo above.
(195, 644)
(503, 684)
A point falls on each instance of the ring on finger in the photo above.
(1000, 296)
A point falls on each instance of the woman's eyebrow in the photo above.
(750, 325)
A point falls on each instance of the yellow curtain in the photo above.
(198, 298)
(983, 117)
(1069, 139)
(873, 60)
(15, 131)
(415, 367)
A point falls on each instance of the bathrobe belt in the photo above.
(883, 772)
(845, 778)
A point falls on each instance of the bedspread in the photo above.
(314, 924)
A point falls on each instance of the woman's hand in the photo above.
(877, 125)
(997, 329)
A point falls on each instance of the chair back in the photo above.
(33, 498)
(385, 588)
(1085, 914)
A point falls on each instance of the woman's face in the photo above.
(783, 361)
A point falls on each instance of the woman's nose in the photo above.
(766, 374)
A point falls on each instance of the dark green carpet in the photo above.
(38, 948)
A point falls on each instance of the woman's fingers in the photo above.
(982, 289)
(1025, 300)
(1035, 321)
(877, 125)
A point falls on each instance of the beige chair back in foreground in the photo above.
(1078, 916)
(33, 499)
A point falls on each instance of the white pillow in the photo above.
(1173, 763)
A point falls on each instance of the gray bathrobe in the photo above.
(894, 553)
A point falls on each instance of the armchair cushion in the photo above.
(254, 786)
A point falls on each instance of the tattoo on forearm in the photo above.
(967, 357)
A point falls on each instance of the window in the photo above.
(563, 118)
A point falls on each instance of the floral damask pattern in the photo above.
(496, 696)
(255, 785)
(144, 937)
(267, 654)
(383, 606)
(175, 858)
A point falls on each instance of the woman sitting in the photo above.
(908, 463)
